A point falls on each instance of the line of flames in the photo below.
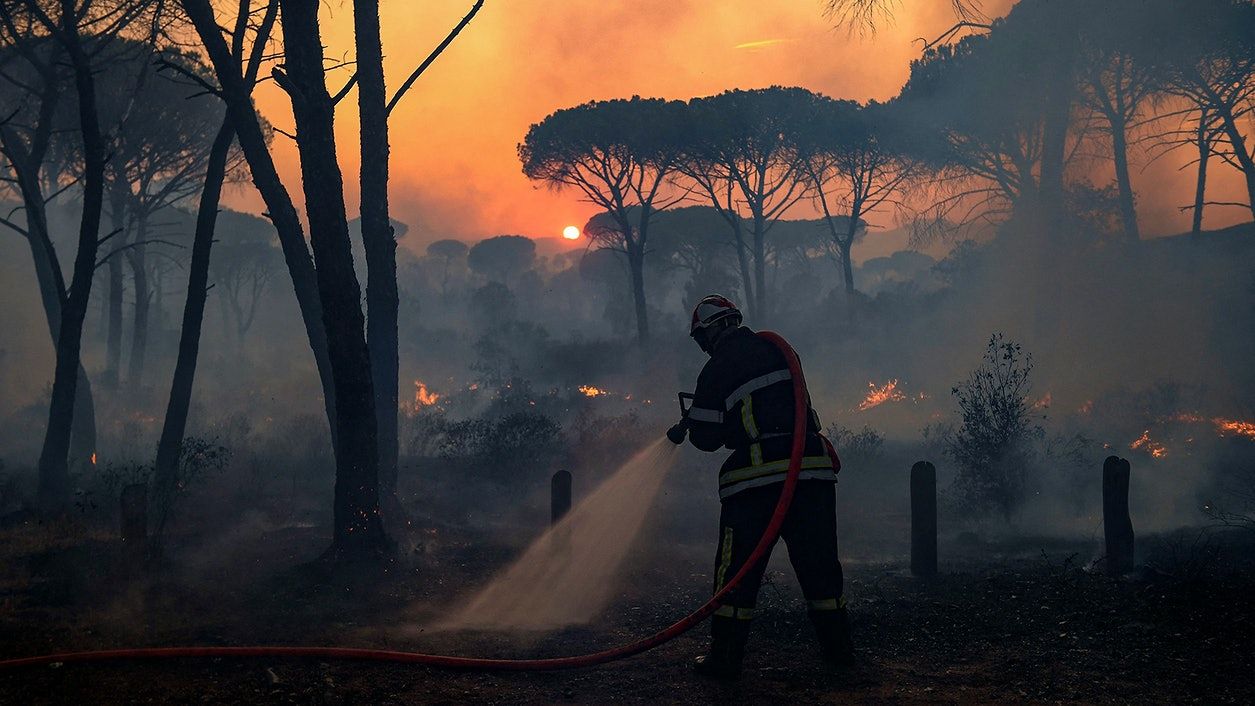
(1223, 425)
(878, 395)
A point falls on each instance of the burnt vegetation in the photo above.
(337, 424)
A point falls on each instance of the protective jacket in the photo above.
(744, 401)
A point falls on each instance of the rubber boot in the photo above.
(727, 648)
(832, 628)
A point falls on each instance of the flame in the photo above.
(1044, 403)
(1086, 408)
(93, 458)
(590, 391)
(424, 397)
(1223, 425)
(1234, 426)
(877, 396)
(1156, 449)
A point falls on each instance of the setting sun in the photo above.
(571, 233)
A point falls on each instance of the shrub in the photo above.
(509, 447)
(992, 445)
(857, 449)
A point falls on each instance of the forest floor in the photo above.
(1024, 626)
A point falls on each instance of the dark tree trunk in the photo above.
(1120, 154)
(379, 243)
(847, 268)
(136, 258)
(1060, 90)
(83, 430)
(1200, 188)
(51, 284)
(760, 265)
(1245, 161)
(358, 528)
(743, 264)
(237, 95)
(54, 479)
(113, 342)
(1050, 200)
(636, 267)
(175, 425)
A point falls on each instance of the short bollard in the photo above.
(559, 504)
(1117, 525)
(923, 519)
(559, 496)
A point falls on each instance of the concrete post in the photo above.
(559, 496)
(1117, 525)
(923, 519)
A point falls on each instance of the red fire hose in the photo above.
(800, 420)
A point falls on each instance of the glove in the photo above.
(678, 432)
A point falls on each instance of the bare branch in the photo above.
(396, 98)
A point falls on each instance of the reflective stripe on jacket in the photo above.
(744, 401)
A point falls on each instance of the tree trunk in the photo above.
(237, 95)
(743, 264)
(113, 344)
(636, 266)
(847, 267)
(1120, 153)
(165, 474)
(357, 524)
(379, 242)
(51, 284)
(136, 258)
(54, 485)
(83, 430)
(1247, 163)
(760, 265)
(1059, 92)
(1200, 187)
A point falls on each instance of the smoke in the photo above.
(569, 574)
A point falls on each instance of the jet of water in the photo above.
(569, 573)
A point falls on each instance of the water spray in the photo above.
(765, 543)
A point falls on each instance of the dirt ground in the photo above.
(1023, 624)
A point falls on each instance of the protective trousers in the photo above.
(810, 533)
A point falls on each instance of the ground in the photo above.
(1022, 624)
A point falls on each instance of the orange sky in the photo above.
(455, 172)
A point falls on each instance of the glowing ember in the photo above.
(1044, 403)
(1234, 426)
(424, 397)
(1087, 407)
(93, 458)
(877, 396)
(590, 391)
(1145, 443)
(1224, 426)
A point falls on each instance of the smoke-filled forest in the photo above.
(340, 345)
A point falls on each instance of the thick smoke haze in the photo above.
(331, 411)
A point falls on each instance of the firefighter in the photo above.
(744, 401)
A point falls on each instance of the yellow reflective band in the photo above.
(756, 454)
(728, 611)
(726, 491)
(725, 558)
(747, 418)
(825, 604)
(766, 469)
